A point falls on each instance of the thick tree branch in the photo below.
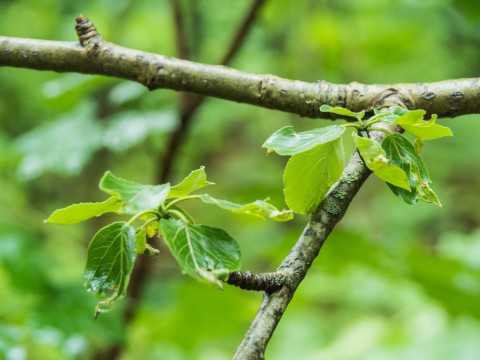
(445, 98)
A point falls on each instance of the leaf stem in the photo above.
(358, 127)
(176, 201)
(385, 131)
(140, 214)
(177, 214)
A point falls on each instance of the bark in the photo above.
(96, 56)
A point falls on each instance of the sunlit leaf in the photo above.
(342, 111)
(111, 255)
(414, 123)
(200, 250)
(140, 241)
(376, 160)
(309, 175)
(393, 113)
(197, 179)
(80, 212)
(286, 141)
(259, 208)
(137, 197)
(402, 153)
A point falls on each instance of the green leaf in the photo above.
(309, 175)
(201, 251)
(111, 255)
(140, 240)
(342, 111)
(197, 179)
(137, 197)
(418, 145)
(376, 160)
(402, 153)
(286, 141)
(80, 212)
(414, 123)
(259, 208)
(392, 114)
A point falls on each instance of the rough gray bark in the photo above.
(96, 56)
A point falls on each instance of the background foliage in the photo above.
(392, 282)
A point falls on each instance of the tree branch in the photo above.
(295, 266)
(267, 282)
(446, 98)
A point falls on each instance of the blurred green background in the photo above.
(392, 282)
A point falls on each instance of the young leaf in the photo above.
(286, 141)
(392, 114)
(80, 212)
(140, 240)
(197, 179)
(200, 250)
(110, 259)
(137, 197)
(376, 160)
(309, 175)
(414, 123)
(259, 208)
(342, 111)
(402, 153)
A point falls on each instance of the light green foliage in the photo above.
(414, 123)
(342, 111)
(111, 255)
(376, 160)
(201, 250)
(197, 179)
(318, 156)
(286, 141)
(309, 175)
(259, 208)
(80, 212)
(402, 153)
(137, 197)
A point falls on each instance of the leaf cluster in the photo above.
(318, 156)
(201, 251)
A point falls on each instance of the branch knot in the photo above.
(87, 33)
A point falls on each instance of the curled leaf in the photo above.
(402, 153)
(342, 111)
(259, 208)
(376, 160)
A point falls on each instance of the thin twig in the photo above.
(183, 48)
(242, 32)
